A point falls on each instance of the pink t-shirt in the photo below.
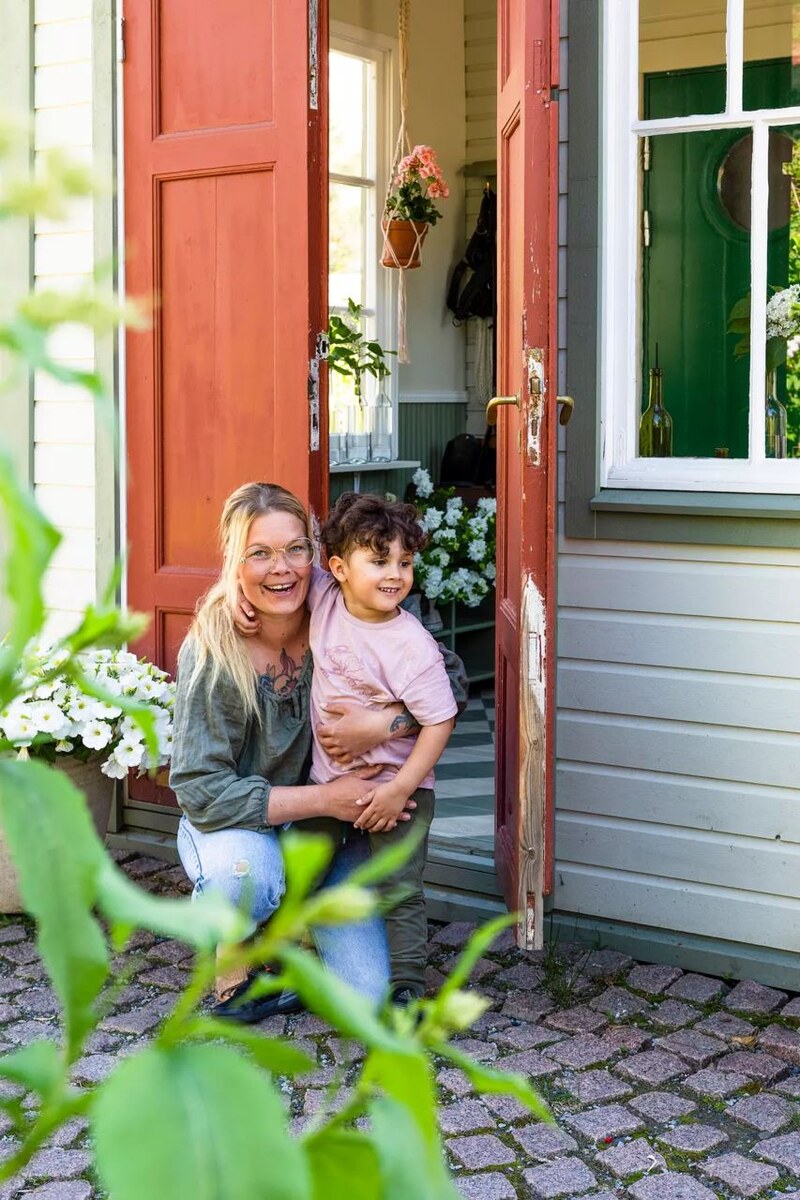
(373, 664)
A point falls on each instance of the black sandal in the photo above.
(247, 1012)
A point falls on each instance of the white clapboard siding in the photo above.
(653, 639)
(64, 425)
(713, 805)
(636, 898)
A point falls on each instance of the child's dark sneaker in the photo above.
(247, 1012)
(403, 997)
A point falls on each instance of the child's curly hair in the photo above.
(371, 521)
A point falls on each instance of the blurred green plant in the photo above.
(351, 354)
(203, 1096)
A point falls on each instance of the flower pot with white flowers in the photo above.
(82, 725)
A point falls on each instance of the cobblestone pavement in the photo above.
(666, 1085)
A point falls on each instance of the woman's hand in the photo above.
(246, 621)
(356, 729)
(346, 797)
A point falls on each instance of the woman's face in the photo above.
(275, 584)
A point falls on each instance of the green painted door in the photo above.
(697, 197)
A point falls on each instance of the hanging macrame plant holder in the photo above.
(402, 239)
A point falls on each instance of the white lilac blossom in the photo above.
(458, 561)
(781, 318)
(52, 716)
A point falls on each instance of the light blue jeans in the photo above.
(246, 865)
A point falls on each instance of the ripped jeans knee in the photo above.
(244, 865)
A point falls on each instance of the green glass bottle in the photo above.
(655, 426)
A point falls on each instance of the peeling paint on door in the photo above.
(532, 737)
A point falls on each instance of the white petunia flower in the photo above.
(422, 482)
(477, 549)
(129, 753)
(114, 769)
(48, 718)
(96, 734)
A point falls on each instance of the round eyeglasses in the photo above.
(298, 553)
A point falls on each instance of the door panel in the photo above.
(527, 286)
(225, 226)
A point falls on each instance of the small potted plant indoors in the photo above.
(90, 740)
(409, 210)
(368, 430)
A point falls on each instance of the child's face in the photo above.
(373, 584)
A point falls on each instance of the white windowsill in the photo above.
(395, 464)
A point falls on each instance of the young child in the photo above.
(368, 650)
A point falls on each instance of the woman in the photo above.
(243, 738)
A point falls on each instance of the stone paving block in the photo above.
(165, 977)
(653, 978)
(670, 1186)
(628, 1038)
(143, 865)
(481, 969)
(783, 1150)
(755, 1065)
(23, 1032)
(608, 1120)
(139, 1020)
(74, 1128)
(58, 1164)
(792, 1009)
(576, 1020)
(489, 1186)
(542, 1141)
(433, 980)
(782, 1042)
(751, 997)
(652, 1066)
(476, 1048)
(661, 1107)
(766, 1113)
(507, 1108)
(698, 989)
(789, 1087)
(37, 1002)
(526, 1037)
(464, 1116)
(528, 1062)
(630, 1158)
(480, 1150)
(528, 1006)
(694, 1138)
(602, 964)
(521, 976)
(563, 1178)
(93, 1068)
(170, 952)
(726, 1026)
(455, 934)
(591, 1087)
(75, 1189)
(698, 1049)
(308, 1025)
(740, 1174)
(20, 953)
(582, 1051)
(454, 1081)
(9, 984)
(673, 1014)
(619, 1003)
(490, 1022)
(716, 1083)
(14, 933)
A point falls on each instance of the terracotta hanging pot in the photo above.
(403, 241)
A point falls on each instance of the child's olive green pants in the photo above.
(406, 924)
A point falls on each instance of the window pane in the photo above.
(695, 269)
(347, 234)
(771, 54)
(783, 272)
(350, 79)
(681, 57)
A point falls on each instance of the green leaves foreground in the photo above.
(202, 1097)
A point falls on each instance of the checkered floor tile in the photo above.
(465, 779)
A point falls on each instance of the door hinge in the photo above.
(122, 49)
(313, 54)
(646, 237)
(646, 154)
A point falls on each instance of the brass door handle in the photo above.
(494, 404)
(567, 408)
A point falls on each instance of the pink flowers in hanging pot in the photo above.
(410, 209)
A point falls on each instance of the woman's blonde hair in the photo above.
(213, 632)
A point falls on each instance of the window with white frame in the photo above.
(360, 117)
(700, 293)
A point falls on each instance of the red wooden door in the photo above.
(526, 379)
(225, 225)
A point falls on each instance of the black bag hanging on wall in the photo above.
(472, 285)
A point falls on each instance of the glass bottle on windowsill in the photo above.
(380, 419)
(774, 420)
(655, 426)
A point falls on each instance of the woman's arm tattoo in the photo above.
(404, 725)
